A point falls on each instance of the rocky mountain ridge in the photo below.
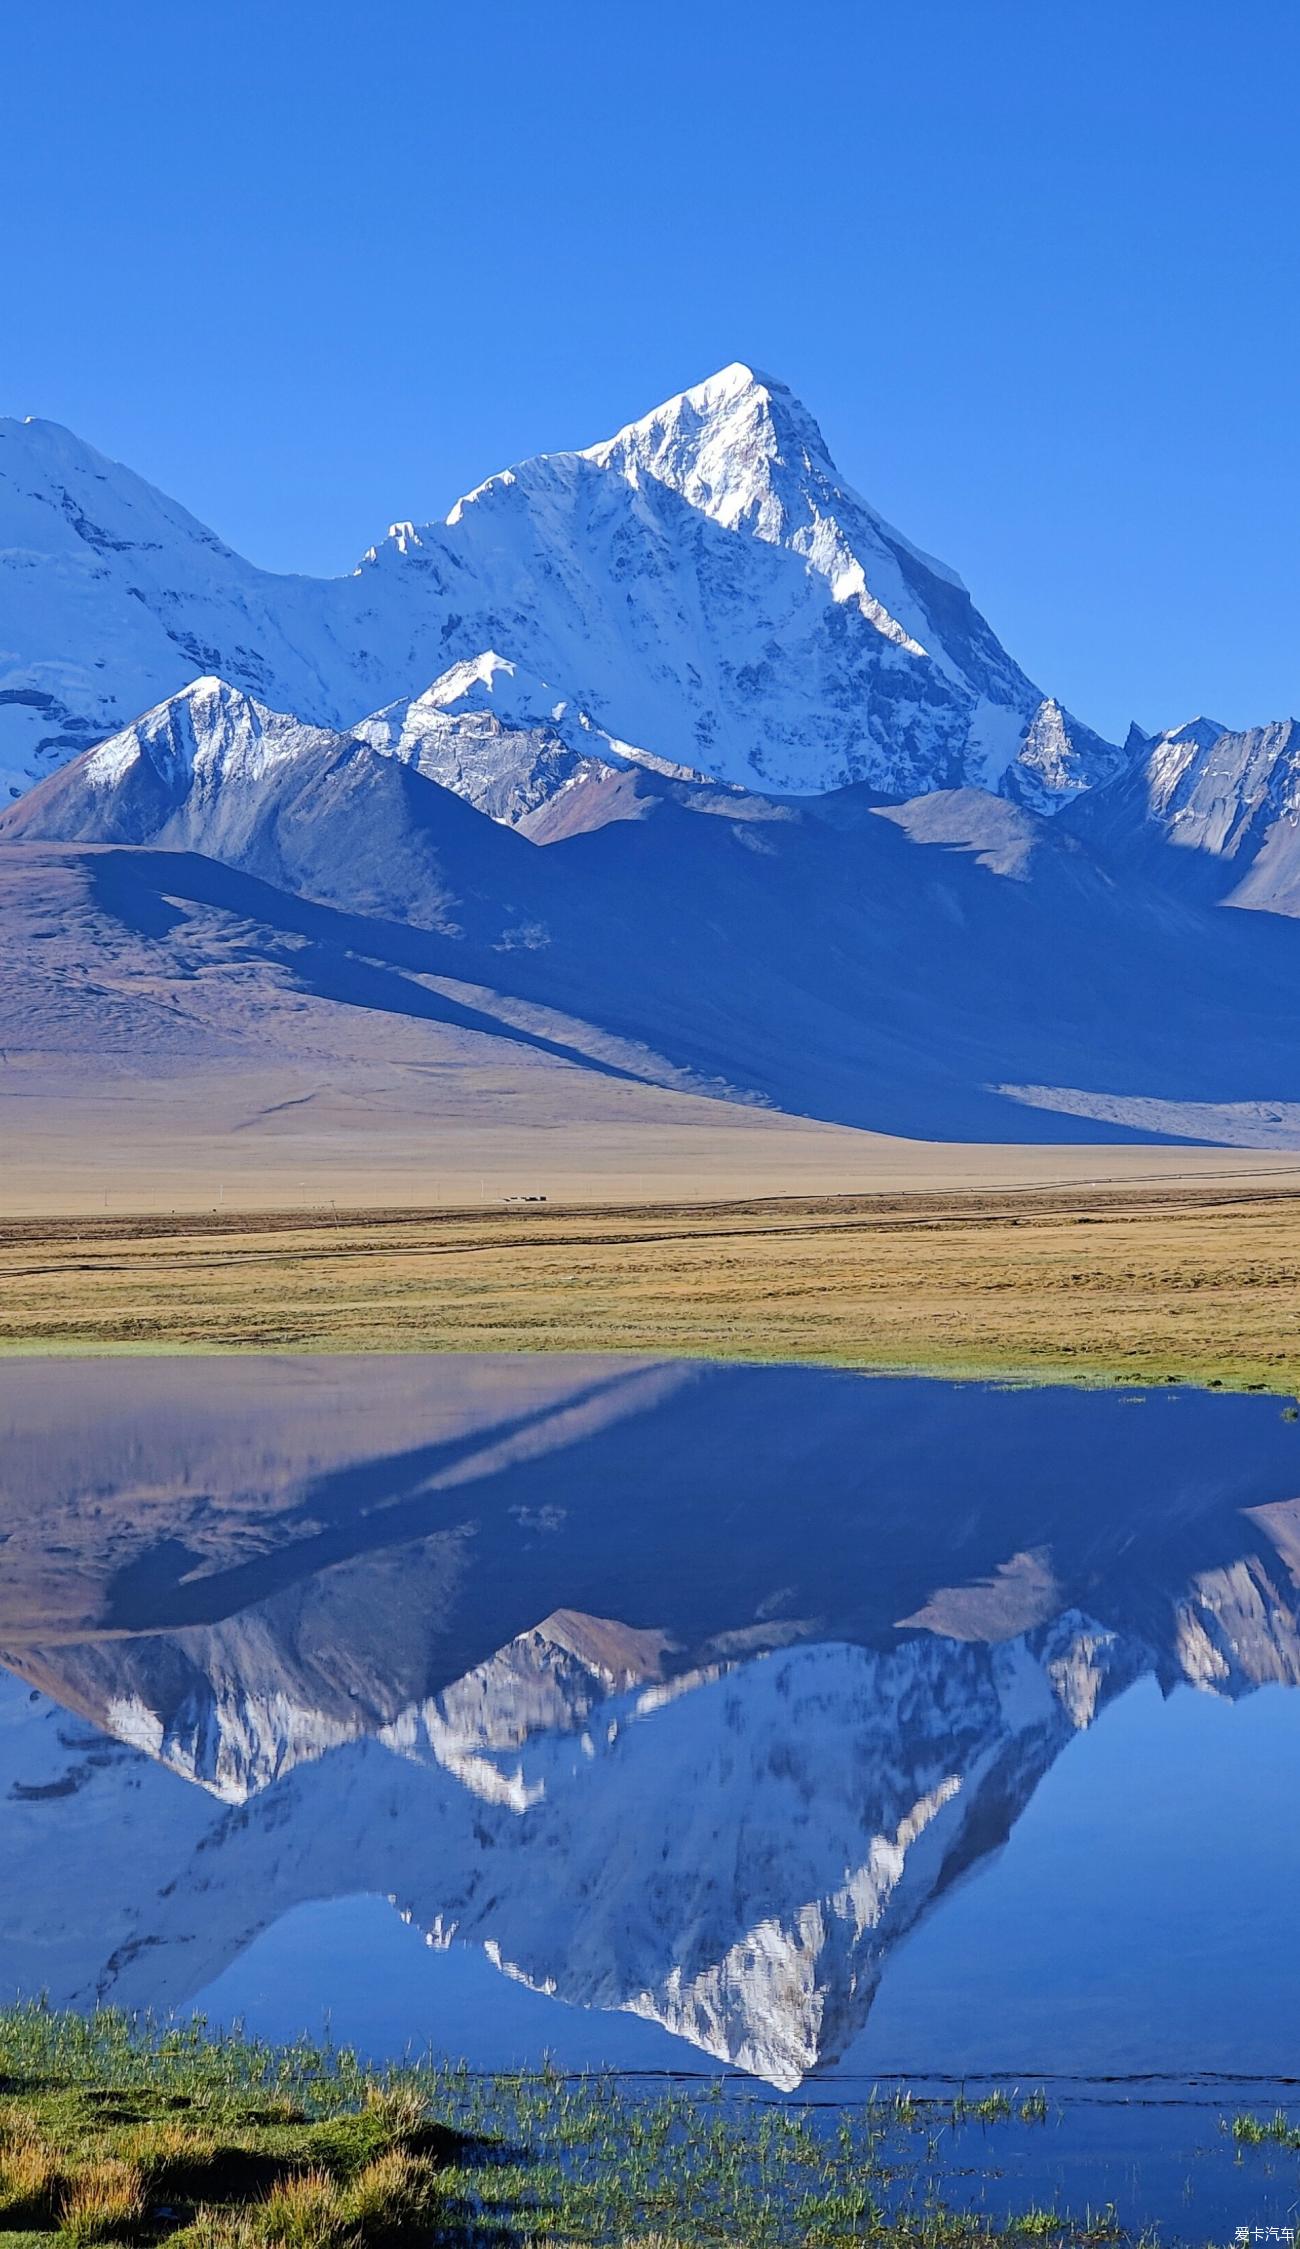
(1209, 811)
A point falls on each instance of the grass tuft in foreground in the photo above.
(113, 2132)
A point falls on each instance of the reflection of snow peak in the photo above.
(749, 1851)
(727, 1836)
(734, 1861)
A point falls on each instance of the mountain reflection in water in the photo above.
(676, 1689)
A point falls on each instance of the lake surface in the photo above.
(807, 1726)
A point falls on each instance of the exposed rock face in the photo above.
(1212, 812)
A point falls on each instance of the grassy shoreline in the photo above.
(120, 2131)
(1193, 1284)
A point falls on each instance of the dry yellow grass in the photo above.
(104, 2200)
(1196, 1283)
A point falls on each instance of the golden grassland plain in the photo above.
(1158, 1284)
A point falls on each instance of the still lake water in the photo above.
(806, 1726)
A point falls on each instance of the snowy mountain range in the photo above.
(702, 586)
(881, 964)
(793, 792)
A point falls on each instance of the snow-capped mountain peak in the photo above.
(1205, 732)
(210, 731)
(501, 738)
(1228, 802)
(1197, 733)
(742, 448)
(53, 474)
(733, 445)
(704, 585)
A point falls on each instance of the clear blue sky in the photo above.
(311, 265)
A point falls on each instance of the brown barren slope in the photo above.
(1195, 1283)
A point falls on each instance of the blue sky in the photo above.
(1032, 263)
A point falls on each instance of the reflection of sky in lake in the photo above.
(1139, 1916)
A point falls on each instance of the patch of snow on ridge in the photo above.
(492, 682)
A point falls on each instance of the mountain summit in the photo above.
(703, 585)
(744, 450)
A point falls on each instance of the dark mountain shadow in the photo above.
(848, 972)
(330, 962)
